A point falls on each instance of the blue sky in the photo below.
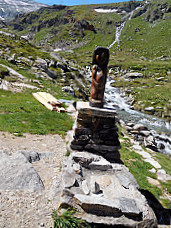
(77, 2)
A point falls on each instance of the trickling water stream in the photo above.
(115, 99)
(119, 28)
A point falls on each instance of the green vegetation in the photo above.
(67, 153)
(20, 113)
(140, 38)
(141, 170)
(67, 220)
(20, 47)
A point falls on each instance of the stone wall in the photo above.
(96, 132)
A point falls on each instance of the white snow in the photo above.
(100, 10)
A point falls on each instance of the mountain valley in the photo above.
(49, 49)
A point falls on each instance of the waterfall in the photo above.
(119, 28)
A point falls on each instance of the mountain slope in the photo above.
(62, 26)
(10, 8)
(144, 43)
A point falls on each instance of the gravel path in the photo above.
(26, 209)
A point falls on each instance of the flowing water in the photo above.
(160, 129)
(128, 16)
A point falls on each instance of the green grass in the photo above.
(152, 41)
(21, 47)
(164, 162)
(67, 220)
(20, 113)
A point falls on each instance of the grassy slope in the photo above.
(140, 51)
(20, 112)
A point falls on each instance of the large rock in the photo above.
(150, 142)
(40, 63)
(139, 127)
(133, 75)
(68, 90)
(16, 173)
(149, 109)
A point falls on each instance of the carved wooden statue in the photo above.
(99, 75)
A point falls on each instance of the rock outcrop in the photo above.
(16, 173)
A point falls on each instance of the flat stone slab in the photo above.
(85, 108)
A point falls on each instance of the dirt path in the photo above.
(26, 209)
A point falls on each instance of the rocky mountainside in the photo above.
(136, 32)
(10, 8)
(64, 26)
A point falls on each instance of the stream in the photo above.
(159, 128)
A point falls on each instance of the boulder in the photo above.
(52, 73)
(149, 142)
(68, 90)
(4, 85)
(145, 133)
(16, 173)
(133, 75)
(149, 109)
(40, 63)
(139, 127)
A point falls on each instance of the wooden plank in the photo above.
(49, 101)
(43, 101)
(49, 98)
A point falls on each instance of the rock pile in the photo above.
(150, 139)
(94, 181)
